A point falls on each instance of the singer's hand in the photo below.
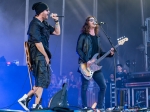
(47, 60)
(54, 16)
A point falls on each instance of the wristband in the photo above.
(56, 21)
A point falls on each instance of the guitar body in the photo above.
(89, 71)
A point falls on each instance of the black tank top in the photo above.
(94, 45)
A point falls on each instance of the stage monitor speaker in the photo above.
(59, 99)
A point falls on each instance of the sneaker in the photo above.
(36, 107)
(88, 109)
(24, 102)
(85, 108)
(100, 110)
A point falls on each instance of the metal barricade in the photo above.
(125, 97)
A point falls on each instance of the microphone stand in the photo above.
(116, 107)
(108, 38)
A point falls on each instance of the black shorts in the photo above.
(41, 72)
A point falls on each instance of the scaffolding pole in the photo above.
(26, 27)
(62, 37)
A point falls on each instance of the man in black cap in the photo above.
(38, 38)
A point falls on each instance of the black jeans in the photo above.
(99, 79)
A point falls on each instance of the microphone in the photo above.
(56, 16)
(99, 23)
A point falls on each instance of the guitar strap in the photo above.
(33, 59)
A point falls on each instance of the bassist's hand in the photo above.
(90, 62)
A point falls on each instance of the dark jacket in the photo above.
(84, 48)
(39, 32)
(120, 83)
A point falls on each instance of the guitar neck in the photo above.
(104, 56)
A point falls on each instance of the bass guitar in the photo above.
(89, 71)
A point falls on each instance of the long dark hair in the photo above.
(86, 27)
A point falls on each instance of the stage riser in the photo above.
(43, 111)
(5, 110)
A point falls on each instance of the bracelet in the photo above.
(56, 21)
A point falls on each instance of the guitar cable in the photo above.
(14, 102)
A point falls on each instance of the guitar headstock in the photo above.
(122, 40)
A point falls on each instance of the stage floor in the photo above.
(9, 110)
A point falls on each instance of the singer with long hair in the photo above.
(88, 44)
(38, 38)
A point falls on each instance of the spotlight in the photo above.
(16, 62)
(8, 63)
(128, 63)
(133, 62)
